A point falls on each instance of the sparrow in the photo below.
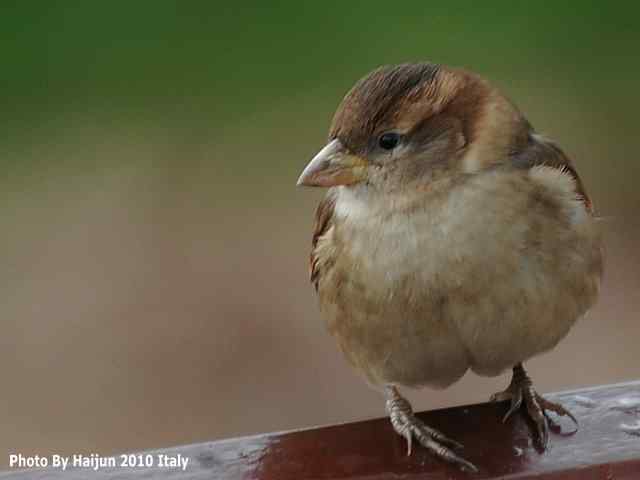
(452, 237)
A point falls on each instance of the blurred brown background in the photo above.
(154, 247)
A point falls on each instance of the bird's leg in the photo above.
(409, 426)
(537, 407)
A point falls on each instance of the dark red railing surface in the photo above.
(606, 446)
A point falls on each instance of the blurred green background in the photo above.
(154, 247)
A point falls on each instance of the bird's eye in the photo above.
(389, 141)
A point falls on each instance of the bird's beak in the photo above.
(333, 165)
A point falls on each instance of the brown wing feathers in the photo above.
(324, 214)
(540, 151)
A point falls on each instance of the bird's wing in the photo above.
(324, 217)
(540, 151)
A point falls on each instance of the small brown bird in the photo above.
(453, 237)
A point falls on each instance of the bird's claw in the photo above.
(537, 407)
(513, 395)
(406, 424)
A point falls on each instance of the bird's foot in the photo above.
(406, 424)
(537, 407)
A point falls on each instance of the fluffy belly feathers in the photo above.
(483, 274)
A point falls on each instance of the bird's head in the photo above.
(412, 123)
